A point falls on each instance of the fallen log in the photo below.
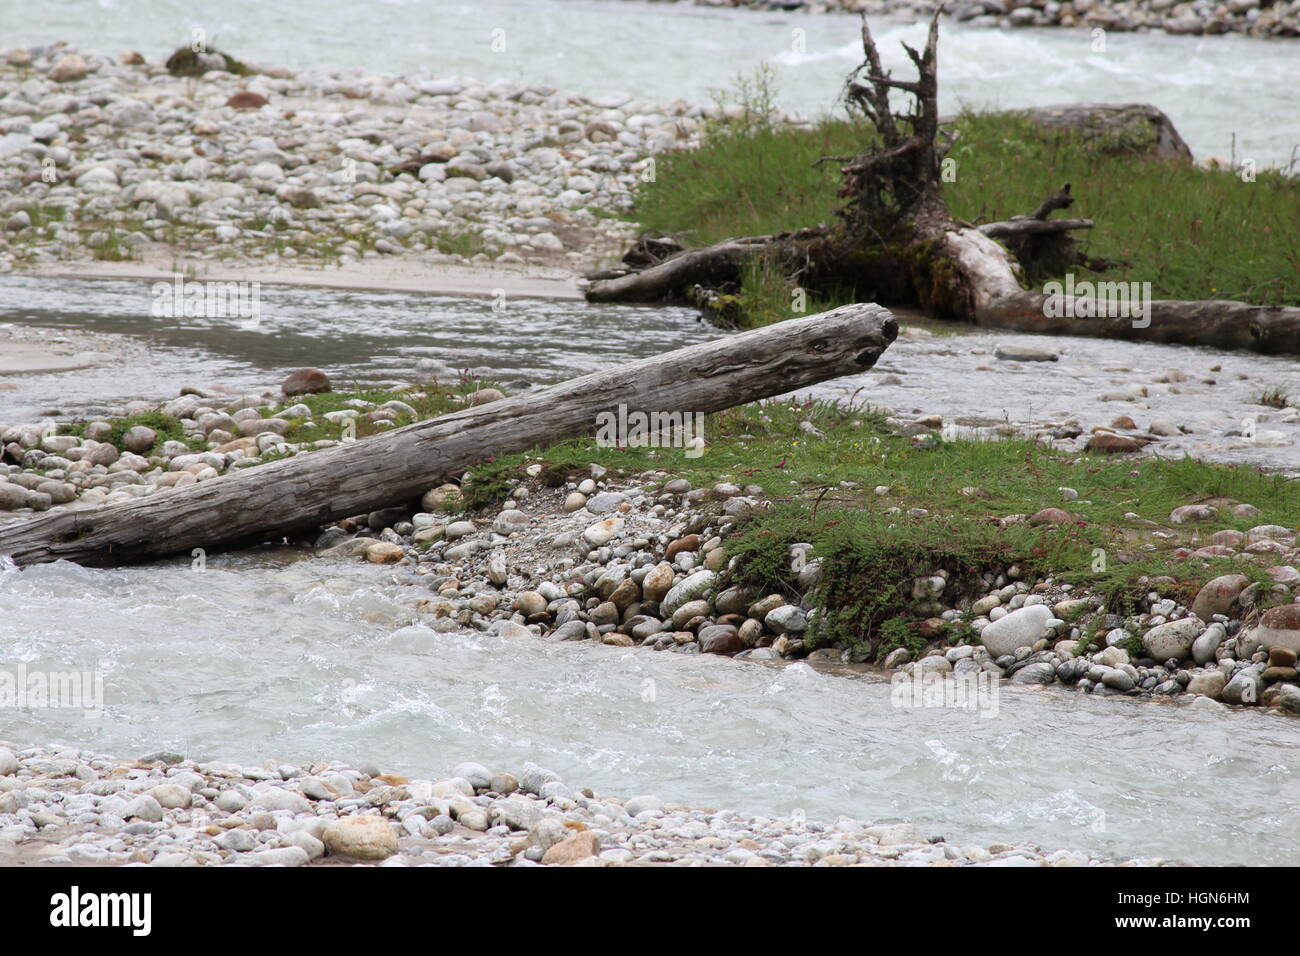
(1028, 226)
(1114, 309)
(302, 493)
(709, 266)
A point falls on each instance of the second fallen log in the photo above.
(302, 493)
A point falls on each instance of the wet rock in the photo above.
(384, 552)
(305, 381)
(1040, 672)
(720, 639)
(1245, 688)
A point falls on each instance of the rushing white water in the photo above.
(265, 656)
(1212, 87)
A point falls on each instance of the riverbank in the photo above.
(115, 159)
(1052, 558)
(1259, 18)
(69, 807)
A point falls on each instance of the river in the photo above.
(1214, 88)
(264, 655)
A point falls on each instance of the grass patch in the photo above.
(820, 465)
(166, 427)
(871, 558)
(1274, 398)
(1193, 233)
(464, 241)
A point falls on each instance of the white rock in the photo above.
(1016, 630)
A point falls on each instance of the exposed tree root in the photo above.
(896, 242)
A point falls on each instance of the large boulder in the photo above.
(1018, 629)
(1116, 128)
(1173, 640)
(1279, 627)
(1218, 595)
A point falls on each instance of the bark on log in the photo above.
(302, 493)
(709, 266)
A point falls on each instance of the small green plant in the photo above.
(896, 632)
(488, 484)
(1274, 398)
(111, 248)
(464, 241)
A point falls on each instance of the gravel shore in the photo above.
(68, 807)
(115, 159)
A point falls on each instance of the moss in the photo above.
(186, 62)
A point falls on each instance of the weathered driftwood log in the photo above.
(1113, 309)
(302, 493)
(709, 266)
(1029, 226)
